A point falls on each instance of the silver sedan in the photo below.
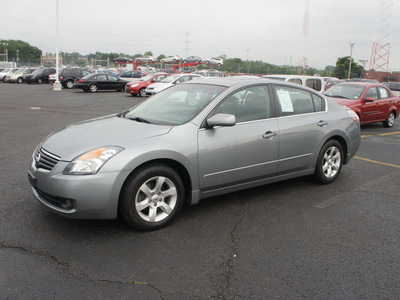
(192, 141)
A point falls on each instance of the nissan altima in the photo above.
(191, 141)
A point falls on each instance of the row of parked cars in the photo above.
(177, 59)
(370, 100)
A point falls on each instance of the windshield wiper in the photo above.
(337, 96)
(141, 120)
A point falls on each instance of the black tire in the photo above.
(329, 163)
(152, 197)
(142, 92)
(93, 88)
(39, 81)
(69, 84)
(390, 120)
(20, 80)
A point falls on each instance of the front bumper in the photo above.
(76, 196)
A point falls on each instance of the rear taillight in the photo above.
(61, 78)
(352, 114)
(80, 80)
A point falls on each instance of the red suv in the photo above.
(372, 102)
(139, 87)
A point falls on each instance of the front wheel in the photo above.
(329, 164)
(93, 88)
(152, 197)
(39, 81)
(20, 80)
(390, 120)
(142, 92)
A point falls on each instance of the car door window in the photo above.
(112, 78)
(248, 104)
(383, 93)
(315, 84)
(319, 103)
(101, 77)
(294, 101)
(372, 93)
(295, 80)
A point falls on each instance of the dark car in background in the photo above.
(100, 81)
(40, 75)
(69, 76)
(132, 74)
(372, 102)
(393, 86)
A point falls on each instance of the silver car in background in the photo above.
(191, 141)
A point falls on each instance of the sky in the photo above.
(266, 30)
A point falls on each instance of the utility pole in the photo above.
(187, 33)
(351, 53)
(363, 61)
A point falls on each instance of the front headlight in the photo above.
(134, 85)
(90, 162)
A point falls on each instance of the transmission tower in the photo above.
(303, 62)
(381, 46)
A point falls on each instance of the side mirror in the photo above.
(221, 120)
(369, 99)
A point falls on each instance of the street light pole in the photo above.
(363, 61)
(17, 55)
(351, 52)
(57, 84)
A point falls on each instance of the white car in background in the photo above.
(169, 81)
(5, 72)
(171, 59)
(19, 75)
(214, 61)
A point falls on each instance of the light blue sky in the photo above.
(265, 30)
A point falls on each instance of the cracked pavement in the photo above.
(291, 240)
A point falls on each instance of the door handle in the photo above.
(269, 135)
(322, 123)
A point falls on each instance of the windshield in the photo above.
(147, 77)
(6, 70)
(170, 78)
(176, 105)
(37, 72)
(345, 91)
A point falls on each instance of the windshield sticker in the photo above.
(285, 101)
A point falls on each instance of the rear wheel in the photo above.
(39, 81)
(93, 88)
(19, 80)
(69, 84)
(330, 161)
(390, 120)
(152, 197)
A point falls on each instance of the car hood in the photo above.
(159, 86)
(106, 131)
(344, 102)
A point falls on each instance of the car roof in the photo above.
(360, 83)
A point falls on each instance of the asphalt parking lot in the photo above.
(290, 240)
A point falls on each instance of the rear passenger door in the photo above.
(302, 127)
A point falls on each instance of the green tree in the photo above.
(26, 52)
(341, 70)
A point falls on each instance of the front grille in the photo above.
(45, 160)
